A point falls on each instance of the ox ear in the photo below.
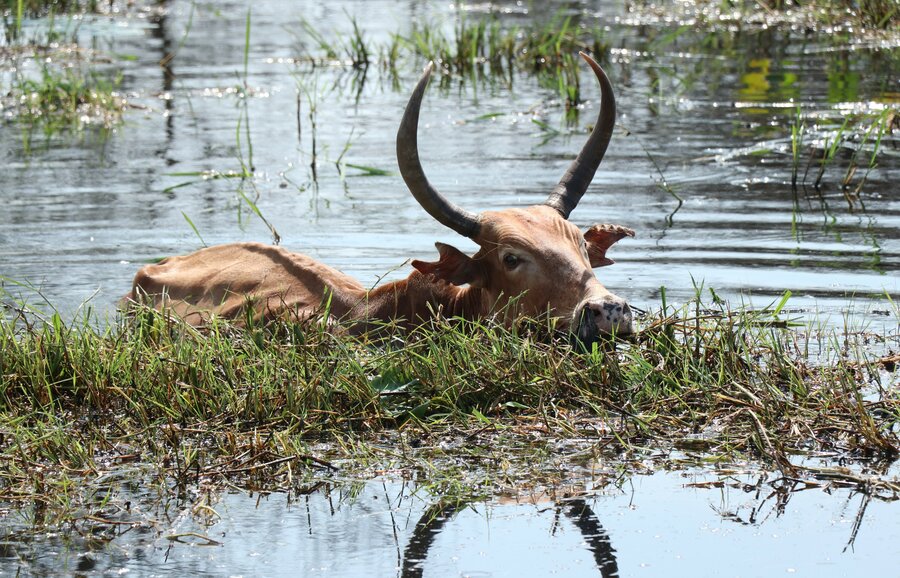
(599, 238)
(454, 266)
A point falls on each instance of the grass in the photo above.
(878, 14)
(35, 8)
(264, 407)
(848, 149)
(68, 98)
(269, 406)
(483, 47)
(55, 85)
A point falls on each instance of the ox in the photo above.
(531, 260)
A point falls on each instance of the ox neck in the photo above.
(416, 299)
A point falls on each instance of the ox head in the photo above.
(533, 255)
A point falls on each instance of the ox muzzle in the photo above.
(595, 319)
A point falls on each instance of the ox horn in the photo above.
(445, 212)
(565, 196)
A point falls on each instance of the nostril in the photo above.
(610, 311)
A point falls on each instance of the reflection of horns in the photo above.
(427, 528)
(433, 520)
(598, 540)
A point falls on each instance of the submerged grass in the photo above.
(266, 406)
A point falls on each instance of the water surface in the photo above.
(694, 522)
(707, 114)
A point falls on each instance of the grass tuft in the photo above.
(68, 99)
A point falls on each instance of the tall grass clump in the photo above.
(69, 98)
(484, 47)
(487, 42)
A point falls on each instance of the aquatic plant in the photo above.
(354, 48)
(843, 147)
(871, 13)
(272, 403)
(68, 98)
(872, 131)
(44, 7)
(484, 47)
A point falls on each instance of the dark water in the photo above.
(709, 113)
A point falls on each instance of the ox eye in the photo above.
(510, 261)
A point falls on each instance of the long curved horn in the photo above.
(446, 213)
(565, 196)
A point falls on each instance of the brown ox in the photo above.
(531, 261)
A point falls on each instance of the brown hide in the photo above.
(267, 282)
(227, 280)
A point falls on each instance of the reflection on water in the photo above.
(577, 511)
(761, 84)
(689, 523)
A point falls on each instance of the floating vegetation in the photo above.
(258, 407)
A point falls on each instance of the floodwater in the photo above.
(687, 523)
(708, 114)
